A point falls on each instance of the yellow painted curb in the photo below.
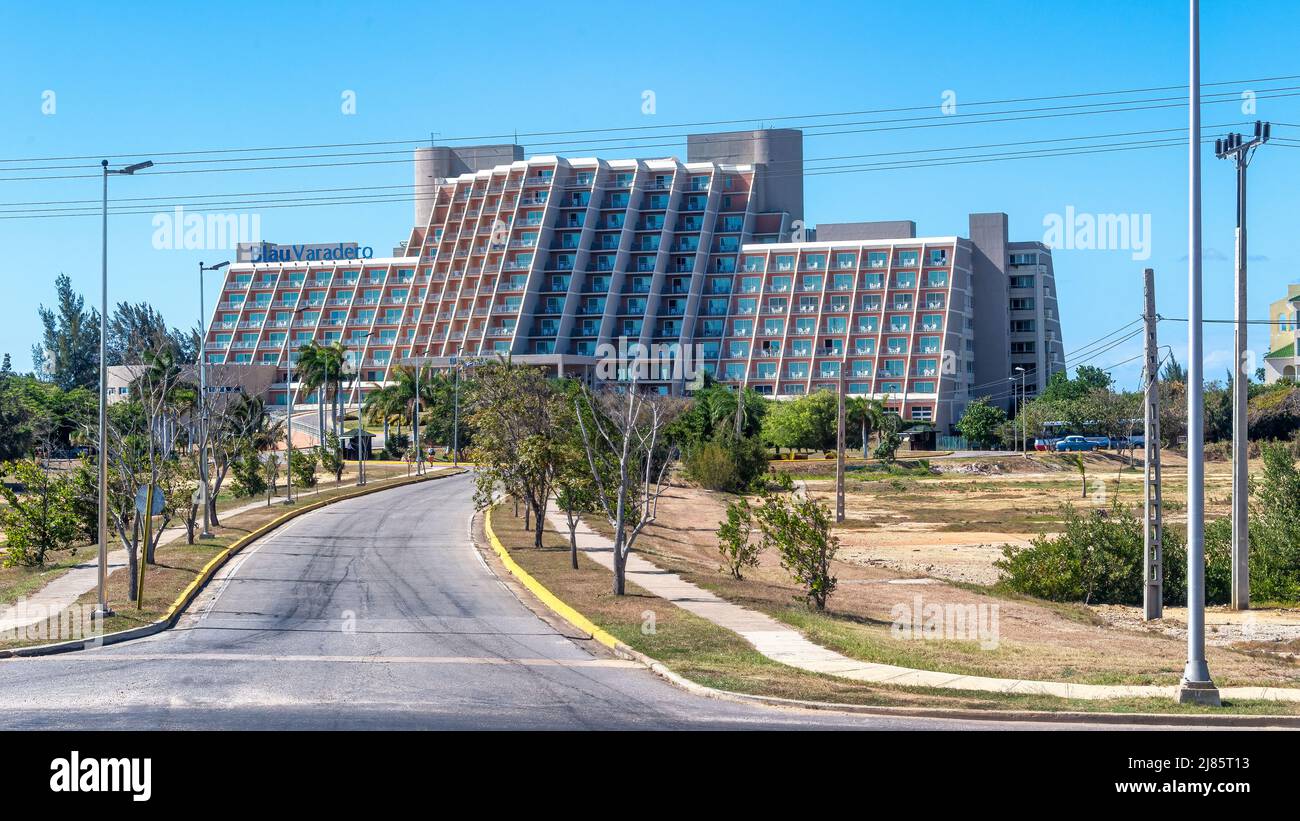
(539, 590)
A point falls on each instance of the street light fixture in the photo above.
(203, 398)
(101, 607)
(361, 420)
(288, 412)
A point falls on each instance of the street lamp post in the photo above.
(288, 414)
(203, 399)
(361, 421)
(1196, 686)
(455, 413)
(101, 607)
(1020, 410)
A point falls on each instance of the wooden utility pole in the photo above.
(839, 449)
(1153, 539)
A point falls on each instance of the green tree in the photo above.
(69, 351)
(736, 540)
(981, 422)
(520, 422)
(330, 455)
(800, 531)
(41, 517)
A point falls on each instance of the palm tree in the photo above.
(311, 373)
(869, 413)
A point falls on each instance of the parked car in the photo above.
(1075, 443)
(1046, 444)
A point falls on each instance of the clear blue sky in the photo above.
(152, 79)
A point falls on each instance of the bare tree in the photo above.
(622, 433)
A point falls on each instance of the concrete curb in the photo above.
(582, 623)
(205, 575)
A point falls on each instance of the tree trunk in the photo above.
(538, 519)
(573, 539)
(620, 569)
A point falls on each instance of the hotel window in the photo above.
(738, 349)
(1022, 326)
(873, 281)
(1022, 281)
(929, 344)
(927, 367)
(938, 256)
(746, 305)
(923, 413)
(899, 323)
(755, 263)
(859, 387)
(735, 371)
(877, 259)
(908, 258)
(801, 347)
(805, 326)
(861, 367)
(742, 327)
(846, 260)
(905, 279)
(864, 346)
(842, 282)
(836, 324)
(936, 279)
(932, 322)
(750, 285)
(1022, 303)
(1024, 259)
(785, 262)
(811, 282)
(868, 324)
(765, 370)
(829, 370)
(797, 370)
(780, 285)
(891, 387)
(897, 344)
(792, 389)
(814, 261)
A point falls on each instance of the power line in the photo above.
(949, 121)
(515, 135)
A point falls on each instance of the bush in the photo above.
(303, 467)
(727, 463)
(735, 539)
(40, 519)
(800, 530)
(248, 474)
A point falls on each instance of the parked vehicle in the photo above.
(1075, 443)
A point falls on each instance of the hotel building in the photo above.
(553, 260)
(1283, 358)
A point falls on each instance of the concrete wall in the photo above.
(988, 234)
(441, 162)
(852, 231)
(778, 150)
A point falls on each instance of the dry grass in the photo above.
(713, 656)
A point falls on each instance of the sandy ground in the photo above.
(913, 537)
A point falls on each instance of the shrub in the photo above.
(1097, 559)
(248, 474)
(735, 539)
(800, 531)
(303, 467)
(727, 463)
(40, 519)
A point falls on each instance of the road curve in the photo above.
(373, 613)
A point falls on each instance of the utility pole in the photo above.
(1240, 152)
(1153, 540)
(839, 449)
(1196, 686)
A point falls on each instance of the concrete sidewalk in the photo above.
(788, 646)
(64, 591)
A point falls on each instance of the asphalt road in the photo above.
(373, 613)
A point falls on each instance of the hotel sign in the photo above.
(270, 252)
